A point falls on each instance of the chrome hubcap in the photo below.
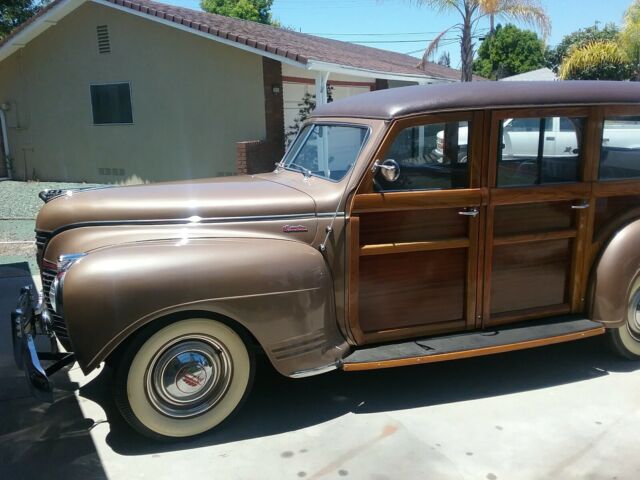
(188, 376)
(634, 315)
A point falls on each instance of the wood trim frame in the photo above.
(543, 193)
(365, 200)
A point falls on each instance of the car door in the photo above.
(535, 229)
(414, 241)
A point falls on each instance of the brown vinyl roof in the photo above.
(400, 102)
(299, 47)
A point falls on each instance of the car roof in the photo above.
(404, 101)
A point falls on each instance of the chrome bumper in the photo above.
(28, 321)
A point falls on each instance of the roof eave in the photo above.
(317, 65)
(39, 25)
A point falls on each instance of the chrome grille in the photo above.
(41, 242)
(57, 322)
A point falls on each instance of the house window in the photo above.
(111, 104)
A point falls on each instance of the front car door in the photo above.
(414, 241)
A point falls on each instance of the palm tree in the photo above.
(630, 36)
(472, 11)
(603, 60)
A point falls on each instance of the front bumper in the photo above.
(27, 322)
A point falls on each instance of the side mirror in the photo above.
(389, 169)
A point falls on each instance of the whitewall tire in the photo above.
(184, 378)
(625, 340)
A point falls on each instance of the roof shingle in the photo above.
(296, 46)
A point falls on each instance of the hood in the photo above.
(242, 196)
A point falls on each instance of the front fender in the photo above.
(280, 291)
(613, 276)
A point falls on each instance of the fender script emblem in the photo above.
(294, 229)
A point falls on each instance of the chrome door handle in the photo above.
(471, 212)
(580, 206)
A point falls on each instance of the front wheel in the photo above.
(182, 379)
(625, 340)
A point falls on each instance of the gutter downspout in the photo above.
(5, 142)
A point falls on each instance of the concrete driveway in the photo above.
(561, 412)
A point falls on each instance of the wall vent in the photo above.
(104, 42)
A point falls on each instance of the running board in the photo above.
(473, 344)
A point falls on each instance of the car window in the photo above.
(541, 156)
(431, 157)
(620, 152)
(326, 151)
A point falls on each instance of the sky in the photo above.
(401, 26)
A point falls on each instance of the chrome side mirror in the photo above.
(389, 169)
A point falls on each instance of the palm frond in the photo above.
(529, 12)
(431, 48)
(591, 55)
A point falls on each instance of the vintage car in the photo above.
(357, 252)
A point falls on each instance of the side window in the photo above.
(540, 155)
(620, 153)
(431, 157)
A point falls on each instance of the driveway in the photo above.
(560, 412)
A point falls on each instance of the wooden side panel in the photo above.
(527, 276)
(533, 218)
(610, 210)
(409, 289)
(412, 226)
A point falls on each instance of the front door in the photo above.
(414, 241)
(536, 217)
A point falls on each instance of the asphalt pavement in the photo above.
(568, 411)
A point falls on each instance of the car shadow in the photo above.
(38, 439)
(278, 404)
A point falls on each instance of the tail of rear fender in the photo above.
(280, 291)
(613, 275)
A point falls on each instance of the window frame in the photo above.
(100, 84)
(313, 124)
(586, 159)
(607, 113)
(475, 117)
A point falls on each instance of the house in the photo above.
(539, 75)
(116, 91)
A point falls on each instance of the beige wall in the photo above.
(192, 100)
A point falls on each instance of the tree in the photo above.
(306, 106)
(603, 60)
(630, 37)
(577, 39)
(14, 12)
(254, 10)
(509, 51)
(445, 59)
(472, 11)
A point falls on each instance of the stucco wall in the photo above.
(192, 100)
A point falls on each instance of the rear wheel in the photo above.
(182, 379)
(625, 340)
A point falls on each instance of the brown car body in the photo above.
(252, 249)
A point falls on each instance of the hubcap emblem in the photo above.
(190, 378)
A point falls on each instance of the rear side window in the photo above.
(539, 150)
(620, 152)
(433, 156)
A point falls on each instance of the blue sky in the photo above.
(409, 26)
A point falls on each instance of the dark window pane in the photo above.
(620, 154)
(541, 155)
(111, 103)
(431, 157)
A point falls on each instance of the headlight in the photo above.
(55, 292)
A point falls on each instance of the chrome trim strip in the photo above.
(315, 371)
(185, 221)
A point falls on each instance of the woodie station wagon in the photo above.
(403, 226)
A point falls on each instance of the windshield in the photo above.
(326, 151)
